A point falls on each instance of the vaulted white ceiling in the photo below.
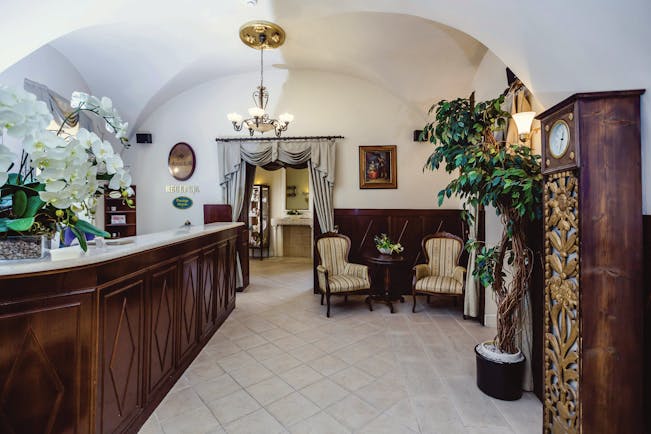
(144, 52)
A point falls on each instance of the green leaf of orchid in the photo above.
(20, 225)
(86, 227)
(34, 204)
(19, 203)
(81, 237)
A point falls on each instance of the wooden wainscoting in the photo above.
(408, 225)
(95, 348)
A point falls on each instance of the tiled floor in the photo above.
(279, 365)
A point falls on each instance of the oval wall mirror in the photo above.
(181, 161)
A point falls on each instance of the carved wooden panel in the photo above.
(209, 289)
(222, 278)
(189, 300)
(231, 272)
(562, 410)
(44, 380)
(121, 337)
(161, 337)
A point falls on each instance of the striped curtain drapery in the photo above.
(320, 157)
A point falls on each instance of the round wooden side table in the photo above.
(386, 262)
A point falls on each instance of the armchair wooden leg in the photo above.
(370, 303)
(321, 299)
(428, 299)
(328, 303)
(413, 309)
(345, 299)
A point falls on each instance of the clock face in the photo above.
(559, 139)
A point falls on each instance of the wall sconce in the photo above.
(523, 121)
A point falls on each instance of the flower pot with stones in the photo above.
(499, 374)
(385, 250)
(23, 247)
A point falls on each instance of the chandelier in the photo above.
(261, 35)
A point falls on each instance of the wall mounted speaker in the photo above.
(417, 134)
(143, 138)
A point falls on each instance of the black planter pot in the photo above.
(499, 380)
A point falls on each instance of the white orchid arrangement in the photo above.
(60, 174)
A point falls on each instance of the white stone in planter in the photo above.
(489, 351)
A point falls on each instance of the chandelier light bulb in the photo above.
(286, 118)
(235, 118)
(256, 112)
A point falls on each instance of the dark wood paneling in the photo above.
(611, 299)
(121, 351)
(188, 301)
(535, 235)
(409, 226)
(208, 293)
(161, 339)
(45, 351)
(213, 213)
(223, 213)
(53, 371)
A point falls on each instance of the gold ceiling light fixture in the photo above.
(261, 35)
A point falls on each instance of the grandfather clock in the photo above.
(593, 348)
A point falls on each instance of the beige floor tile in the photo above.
(258, 422)
(324, 392)
(292, 409)
(289, 342)
(200, 421)
(151, 426)
(274, 334)
(203, 372)
(382, 394)
(178, 403)
(307, 353)
(180, 384)
(270, 390)
(385, 424)
(281, 363)
(236, 361)
(233, 406)
(352, 412)
(320, 423)
(265, 351)
(217, 388)
(250, 374)
(250, 341)
(328, 365)
(403, 413)
(411, 372)
(352, 378)
(301, 376)
(475, 409)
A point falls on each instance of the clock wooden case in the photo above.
(593, 348)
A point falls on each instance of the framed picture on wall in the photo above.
(377, 167)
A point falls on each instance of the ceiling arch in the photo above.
(556, 47)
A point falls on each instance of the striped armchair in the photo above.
(441, 274)
(337, 276)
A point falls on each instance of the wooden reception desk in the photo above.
(92, 344)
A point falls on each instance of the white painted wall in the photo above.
(323, 103)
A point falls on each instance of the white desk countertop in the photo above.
(95, 255)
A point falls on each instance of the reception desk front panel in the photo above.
(95, 347)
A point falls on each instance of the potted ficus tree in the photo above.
(506, 176)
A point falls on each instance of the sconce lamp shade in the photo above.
(523, 121)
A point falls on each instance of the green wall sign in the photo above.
(182, 202)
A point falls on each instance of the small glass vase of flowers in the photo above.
(385, 246)
(59, 176)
